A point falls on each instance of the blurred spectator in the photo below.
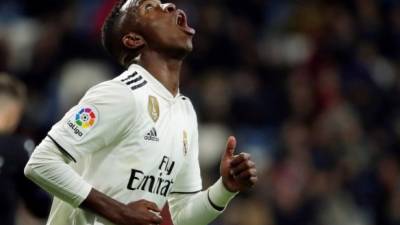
(14, 153)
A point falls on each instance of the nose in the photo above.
(169, 7)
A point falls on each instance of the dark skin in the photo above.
(163, 44)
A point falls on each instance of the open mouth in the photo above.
(181, 21)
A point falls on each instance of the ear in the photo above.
(133, 41)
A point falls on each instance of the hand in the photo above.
(141, 213)
(238, 171)
(134, 213)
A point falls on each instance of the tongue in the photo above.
(183, 24)
(190, 30)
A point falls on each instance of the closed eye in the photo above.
(149, 6)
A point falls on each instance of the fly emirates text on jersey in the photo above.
(153, 183)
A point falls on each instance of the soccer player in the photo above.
(14, 153)
(131, 143)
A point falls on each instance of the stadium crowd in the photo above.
(310, 88)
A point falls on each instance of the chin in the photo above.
(186, 42)
(189, 45)
(189, 48)
(182, 51)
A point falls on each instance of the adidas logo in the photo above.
(151, 135)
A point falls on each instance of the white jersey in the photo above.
(131, 139)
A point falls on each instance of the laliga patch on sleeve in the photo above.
(82, 122)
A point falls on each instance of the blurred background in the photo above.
(310, 88)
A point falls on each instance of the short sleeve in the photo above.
(188, 179)
(102, 116)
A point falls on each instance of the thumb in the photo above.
(230, 148)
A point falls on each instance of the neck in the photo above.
(165, 69)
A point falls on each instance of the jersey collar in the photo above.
(156, 85)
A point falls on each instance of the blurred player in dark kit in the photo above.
(14, 153)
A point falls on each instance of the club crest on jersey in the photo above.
(185, 142)
(79, 124)
(153, 108)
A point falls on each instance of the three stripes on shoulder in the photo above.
(134, 81)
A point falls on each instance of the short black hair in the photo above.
(108, 29)
(110, 36)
